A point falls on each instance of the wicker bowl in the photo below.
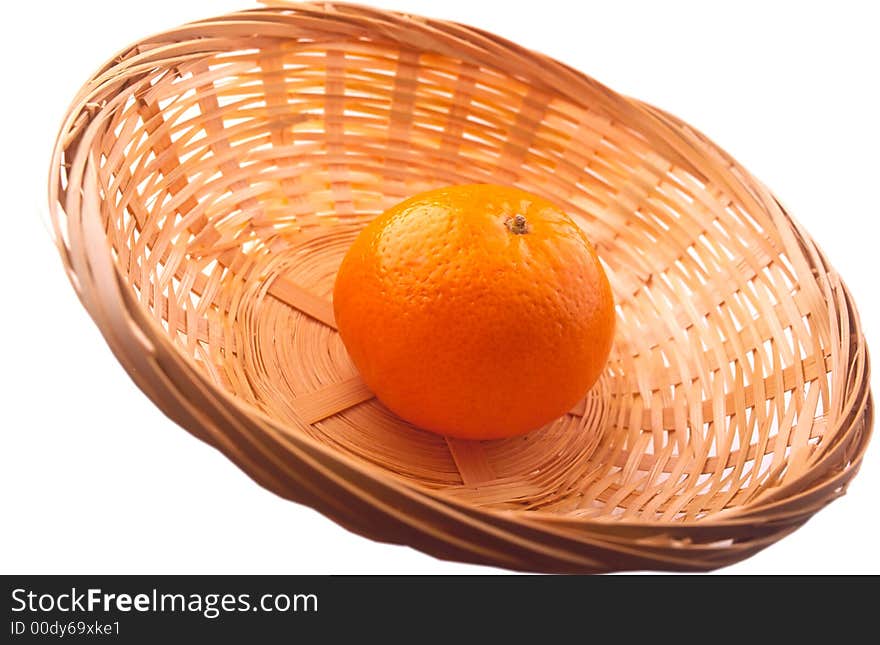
(207, 181)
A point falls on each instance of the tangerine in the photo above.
(475, 311)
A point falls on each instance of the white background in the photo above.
(96, 480)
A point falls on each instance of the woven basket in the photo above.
(208, 180)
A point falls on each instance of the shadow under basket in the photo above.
(207, 182)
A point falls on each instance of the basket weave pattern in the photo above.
(208, 180)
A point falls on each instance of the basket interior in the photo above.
(232, 185)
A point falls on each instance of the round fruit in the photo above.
(475, 311)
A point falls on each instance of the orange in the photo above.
(475, 311)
